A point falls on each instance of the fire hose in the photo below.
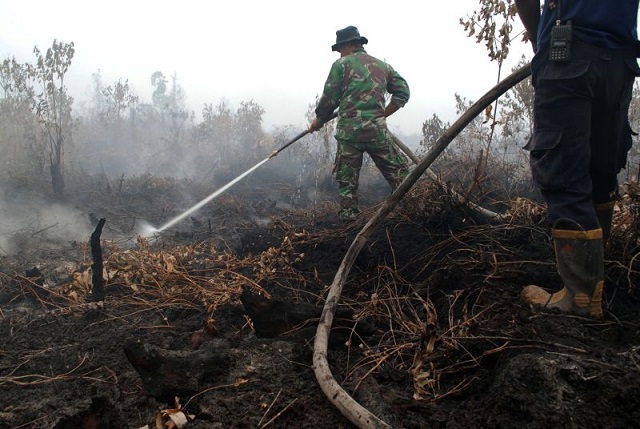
(298, 137)
(407, 151)
(356, 413)
(148, 230)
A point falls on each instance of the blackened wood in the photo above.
(166, 373)
(97, 291)
(273, 318)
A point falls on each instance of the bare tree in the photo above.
(633, 158)
(118, 99)
(22, 150)
(159, 82)
(492, 25)
(53, 105)
(169, 101)
(516, 116)
(325, 134)
(432, 129)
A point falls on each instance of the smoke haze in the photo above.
(30, 222)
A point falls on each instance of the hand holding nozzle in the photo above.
(315, 125)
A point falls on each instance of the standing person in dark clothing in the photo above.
(357, 86)
(583, 72)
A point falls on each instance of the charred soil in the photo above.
(434, 334)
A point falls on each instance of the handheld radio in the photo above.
(561, 36)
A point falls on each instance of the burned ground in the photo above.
(436, 336)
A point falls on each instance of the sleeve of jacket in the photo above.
(398, 88)
(332, 93)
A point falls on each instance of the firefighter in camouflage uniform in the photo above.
(357, 86)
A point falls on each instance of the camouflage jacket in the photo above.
(357, 84)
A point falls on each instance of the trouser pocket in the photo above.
(546, 159)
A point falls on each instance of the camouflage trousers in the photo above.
(349, 156)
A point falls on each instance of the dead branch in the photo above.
(357, 414)
(461, 199)
(269, 408)
(279, 414)
(239, 382)
(33, 379)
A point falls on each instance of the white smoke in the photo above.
(26, 222)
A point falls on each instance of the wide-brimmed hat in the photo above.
(348, 34)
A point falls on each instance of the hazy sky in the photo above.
(277, 52)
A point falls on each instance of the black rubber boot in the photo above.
(580, 264)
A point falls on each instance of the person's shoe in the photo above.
(564, 301)
(580, 264)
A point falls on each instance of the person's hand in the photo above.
(390, 109)
(315, 125)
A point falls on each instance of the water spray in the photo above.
(147, 230)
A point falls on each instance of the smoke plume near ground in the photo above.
(34, 221)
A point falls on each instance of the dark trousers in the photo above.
(581, 132)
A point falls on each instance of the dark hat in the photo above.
(348, 34)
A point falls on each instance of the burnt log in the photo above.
(97, 280)
(167, 373)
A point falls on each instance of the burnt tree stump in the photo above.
(98, 293)
(167, 373)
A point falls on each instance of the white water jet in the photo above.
(148, 230)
